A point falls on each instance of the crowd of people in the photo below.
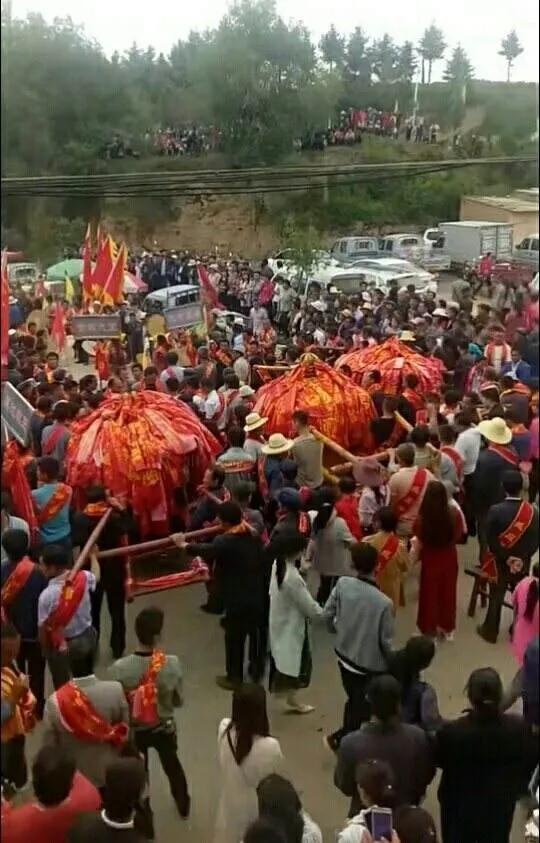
(297, 546)
(184, 140)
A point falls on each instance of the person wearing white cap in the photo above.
(253, 428)
(497, 457)
(275, 452)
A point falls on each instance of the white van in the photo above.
(159, 300)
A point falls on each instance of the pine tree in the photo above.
(458, 69)
(510, 48)
(431, 48)
(332, 47)
(406, 63)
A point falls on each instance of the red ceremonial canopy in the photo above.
(140, 446)
(394, 360)
(336, 406)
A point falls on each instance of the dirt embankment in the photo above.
(233, 225)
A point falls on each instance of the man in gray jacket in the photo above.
(363, 619)
(108, 700)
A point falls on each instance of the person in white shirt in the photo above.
(468, 447)
(259, 318)
(11, 522)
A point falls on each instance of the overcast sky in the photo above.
(478, 24)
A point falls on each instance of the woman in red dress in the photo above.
(437, 531)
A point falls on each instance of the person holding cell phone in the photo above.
(375, 784)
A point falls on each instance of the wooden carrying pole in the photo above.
(157, 544)
(342, 452)
(93, 538)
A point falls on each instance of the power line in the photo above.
(283, 179)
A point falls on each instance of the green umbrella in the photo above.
(72, 268)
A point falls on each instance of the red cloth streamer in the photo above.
(15, 480)
(198, 572)
(141, 446)
(58, 327)
(394, 360)
(335, 404)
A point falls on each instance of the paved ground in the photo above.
(197, 639)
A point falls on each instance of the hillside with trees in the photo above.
(261, 82)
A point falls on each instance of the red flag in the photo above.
(4, 313)
(208, 291)
(14, 478)
(105, 257)
(112, 290)
(58, 327)
(87, 265)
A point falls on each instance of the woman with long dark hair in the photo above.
(291, 609)
(247, 754)
(437, 530)
(280, 803)
(486, 758)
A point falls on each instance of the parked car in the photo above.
(24, 274)
(158, 300)
(348, 281)
(527, 250)
(351, 248)
(412, 247)
(324, 265)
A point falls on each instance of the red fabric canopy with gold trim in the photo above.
(140, 446)
(394, 360)
(336, 406)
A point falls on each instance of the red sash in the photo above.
(79, 717)
(456, 458)
(59, 498)
(50, 441)
(505, 452)
(509, 537)
(69, 601)
(261, 476)
(143, 698)
(416, 488)
(386, 552)
(236, 466)
(17, 580)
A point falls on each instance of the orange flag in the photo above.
(4, 312)
(87, 265)
(105, 258)
(114, 285)
(58, 327)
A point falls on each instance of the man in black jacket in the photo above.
(404, 747)
(486, 486)
(238, 568)
(512, 535)
(113, 571)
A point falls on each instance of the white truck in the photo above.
(467, 240)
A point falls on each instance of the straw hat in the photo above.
(439, 311)
(407, 336)
(368, 472)
(495, 430)
(277, 444)
(246, 391)
(254, 421)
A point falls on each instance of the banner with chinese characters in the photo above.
(16, 414)
(96, 327)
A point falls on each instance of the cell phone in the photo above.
(379, 823)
